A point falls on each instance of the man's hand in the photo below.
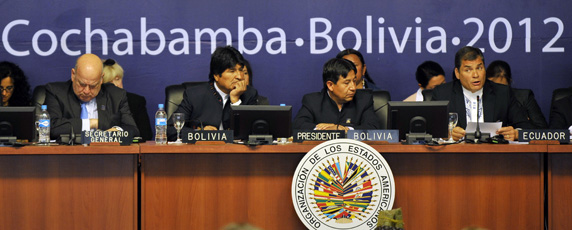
(509, 133)
(330, 126)
(112, 129)
(458, 133)
(237, 91)
(208, 127)
(93, 123)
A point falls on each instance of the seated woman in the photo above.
(428, 75)
(14, 85)
(261, 100)
(499, 72)
(113, 73)
(363, 80)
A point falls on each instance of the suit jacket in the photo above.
(561, 113)
(138, 108)
(525, 98)
(203, 104)
(65, 109)
(499, 104)
(318, 108)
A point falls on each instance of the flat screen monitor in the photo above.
(261, 120)
(19, 122)
(435, 113)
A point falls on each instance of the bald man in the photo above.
(84, 103)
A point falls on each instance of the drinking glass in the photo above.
(178, 122)
(453, 118)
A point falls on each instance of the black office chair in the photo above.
(39, 97)
(427, 94)
(174, 95)
(558, 94)
(380, 106)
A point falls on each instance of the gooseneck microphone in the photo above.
(478, 129)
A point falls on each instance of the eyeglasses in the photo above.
(7, 89)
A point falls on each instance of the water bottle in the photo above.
(161, 125)
(44, 126)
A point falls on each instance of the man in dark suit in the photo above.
(497, 103)
(561, 114)
(339, 106)
(84, 103)
(207, 106)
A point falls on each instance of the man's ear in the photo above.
(457, 73)
(330, 85)
(72, 73)
(216, 77)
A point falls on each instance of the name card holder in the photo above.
(106, 137)
(389, 135)
(317, 135)
(226, 136)
(534, 135)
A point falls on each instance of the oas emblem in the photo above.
(342, 184)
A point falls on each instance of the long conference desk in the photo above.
(150, 186)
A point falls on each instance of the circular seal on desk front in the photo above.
(342, 184)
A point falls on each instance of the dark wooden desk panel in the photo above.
(444, 187)
(560, 187)
(68, 187)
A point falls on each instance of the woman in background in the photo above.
(14, 85)
(363, 80)
(113, 73)
(499, 72)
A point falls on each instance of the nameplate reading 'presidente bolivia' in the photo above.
(561, 135)
(317, 135)
(342, 184)
(208, 135)
(100, 136)
(389, 135)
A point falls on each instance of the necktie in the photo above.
(226, 114)
(84, 114)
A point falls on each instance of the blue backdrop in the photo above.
(160, 43)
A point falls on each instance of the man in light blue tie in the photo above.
(84, 103)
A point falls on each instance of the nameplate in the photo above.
(389, 135)
(561, 135)
(207, 135)
(100, 136)
(317, 135)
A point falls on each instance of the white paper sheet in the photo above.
(486, 127)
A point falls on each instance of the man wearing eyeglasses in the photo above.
(84, 103)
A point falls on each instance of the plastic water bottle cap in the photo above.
(44, 107)
(161, 106)
(282, 104)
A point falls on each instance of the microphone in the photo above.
(478, 129)
(477, 136)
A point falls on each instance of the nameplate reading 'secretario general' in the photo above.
(207, 135)
(100, 136)
(317, 135)
(389, 135)
(561, 135)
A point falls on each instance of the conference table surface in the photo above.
(206, 186)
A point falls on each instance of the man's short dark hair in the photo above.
(467, 53)
(224, 58)
(335, 68)
(428, 70)
(499, 68)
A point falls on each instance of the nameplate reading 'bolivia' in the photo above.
(317, 135)
(389, 135)
(207, 135)
(100, 136)
(561, 135)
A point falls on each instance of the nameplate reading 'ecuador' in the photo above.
(342, 184)
(100, 136)
(317, 135)
(561, 135)
(389, 135)
(208, 135)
